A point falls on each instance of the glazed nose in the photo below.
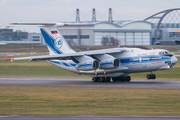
(174, 59)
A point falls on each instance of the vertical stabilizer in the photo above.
(53, 38)
(55, 41)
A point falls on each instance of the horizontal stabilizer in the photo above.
(46, 24)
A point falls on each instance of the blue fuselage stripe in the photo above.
(129, 60)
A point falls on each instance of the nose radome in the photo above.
(174, 59)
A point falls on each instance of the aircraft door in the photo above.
(144, 65)
(142, 62)
(131, 61)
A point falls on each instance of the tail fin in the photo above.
(53, 38)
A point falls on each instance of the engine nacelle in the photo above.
(109, 64)
(88, 65)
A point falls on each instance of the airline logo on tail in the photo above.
(54, 32)
(58, 42)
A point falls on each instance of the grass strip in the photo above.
(44, 100)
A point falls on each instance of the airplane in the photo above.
(102, 65)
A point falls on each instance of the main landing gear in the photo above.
(101, 79)
(151, 76)
(122, 79)
(108, 79)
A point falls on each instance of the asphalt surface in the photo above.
(88, 118)
(89, 83)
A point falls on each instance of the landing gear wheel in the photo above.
(108, 79)
(115, 79)
(124, 79)
(148, 76)
(121, 79)
(128, 78)
(95, 79)
(102, 79)
(151, 76)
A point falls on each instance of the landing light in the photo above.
(168, 66)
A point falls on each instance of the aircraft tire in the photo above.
(108, 79)
(115, 79)
(153, 76)
(128, 78)
(102, 79)
(149, 76)
(122, 79)
(95, 79)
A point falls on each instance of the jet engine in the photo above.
(88, 65)
(109, 64)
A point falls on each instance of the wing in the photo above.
(69, 56)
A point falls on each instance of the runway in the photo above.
(89, 118)
(89, 83)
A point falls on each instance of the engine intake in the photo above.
(109, 64)
(88, 65)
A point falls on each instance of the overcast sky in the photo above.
(56, 10)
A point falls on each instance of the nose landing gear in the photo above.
(151, 76)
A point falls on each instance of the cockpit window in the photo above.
(166, 53)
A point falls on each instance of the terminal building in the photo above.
(162, 28)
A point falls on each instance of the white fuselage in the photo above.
(131, 61)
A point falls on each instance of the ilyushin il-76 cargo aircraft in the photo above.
(101, 65)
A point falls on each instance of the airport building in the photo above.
(165, 27)
(36, 38)
(8, 36)
(126, 33)
(162, 28)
